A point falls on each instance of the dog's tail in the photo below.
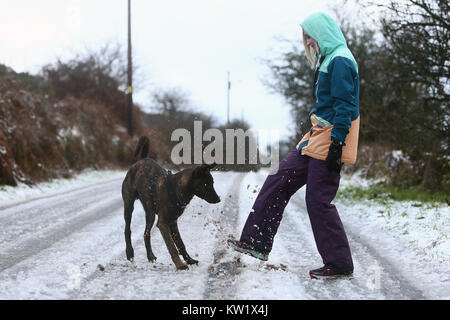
(141, 149)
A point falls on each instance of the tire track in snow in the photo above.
(222, 273)
(391, 280)
(37, 224)
(31, 219)
(50, 273)
(97, 284)
(22, 249)
(82, 190)
(375, 276)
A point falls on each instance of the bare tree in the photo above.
(417, 53)
(419, 33)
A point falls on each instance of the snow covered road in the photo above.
(66, 242)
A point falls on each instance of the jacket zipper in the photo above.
(318, 77)
(317, 88)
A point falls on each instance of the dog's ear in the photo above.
(210, 166)
(202, 169)
(198, 171)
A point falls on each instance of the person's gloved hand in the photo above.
(334, 158)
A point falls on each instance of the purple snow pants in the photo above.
(295, 171)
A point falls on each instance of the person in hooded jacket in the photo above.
(318, 157)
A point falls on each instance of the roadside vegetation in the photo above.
(383, 193)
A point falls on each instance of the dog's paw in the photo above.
(151, 258)
(130, 254)
(191, 261)
(182, 267)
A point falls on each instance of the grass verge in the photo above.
(383, 193)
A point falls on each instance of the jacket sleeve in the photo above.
(343, 76)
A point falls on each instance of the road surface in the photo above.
(70, 245)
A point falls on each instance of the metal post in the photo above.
(228, 97)
(130, 77)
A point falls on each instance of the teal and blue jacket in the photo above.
(336, 95)
(335, 91)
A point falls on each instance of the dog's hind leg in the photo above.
(149, 220)
(128, 212)
(175, 233)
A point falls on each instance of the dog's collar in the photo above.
(172, 192)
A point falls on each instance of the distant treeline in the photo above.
(72, 116)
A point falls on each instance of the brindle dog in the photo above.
(166, 195)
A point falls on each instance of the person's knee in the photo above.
(314, 197)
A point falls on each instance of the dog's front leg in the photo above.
(175, 233)
(165, 232)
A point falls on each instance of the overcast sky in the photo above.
(190, 44)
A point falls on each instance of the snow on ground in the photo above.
(64, 240)
(90, 263)
(413, 236)
(12, 195)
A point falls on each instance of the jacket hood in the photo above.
(324, 29)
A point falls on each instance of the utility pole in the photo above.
(130, 77)
(228, 97)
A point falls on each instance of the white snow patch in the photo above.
(10, 195)
(412, 236)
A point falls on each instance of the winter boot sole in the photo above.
(253, 253)
(334, 277)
